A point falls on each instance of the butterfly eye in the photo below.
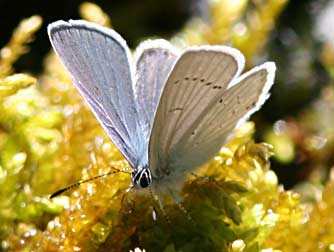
(142, 178)
(144, 182)
(145, 178)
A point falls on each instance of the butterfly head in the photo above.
(141, 177)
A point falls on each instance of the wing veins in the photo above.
(186, 116)
(92, 100)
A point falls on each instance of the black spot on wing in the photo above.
(175, 109)
(238, 99)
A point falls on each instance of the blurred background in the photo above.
(299, 117)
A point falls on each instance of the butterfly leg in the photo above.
(162, 208)
(210, 179)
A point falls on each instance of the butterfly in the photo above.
(167, 110)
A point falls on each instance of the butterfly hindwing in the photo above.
(206, 136)
(154, 60)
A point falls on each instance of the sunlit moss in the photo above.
(11, 84)
(283, 145)
(50, 139)
(22, 35)
(93, 13)
(235, 23)
(310, 230)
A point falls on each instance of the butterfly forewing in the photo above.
(97, 58)
(153, 60)
(199, 77)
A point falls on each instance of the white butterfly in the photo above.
(167, 111)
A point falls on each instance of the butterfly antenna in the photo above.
(57, 193)
(209, 179)
(181, 206)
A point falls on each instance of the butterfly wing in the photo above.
(213, 127)
(198, 77)
(153, 60)
(191, 128)
(98, 60)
